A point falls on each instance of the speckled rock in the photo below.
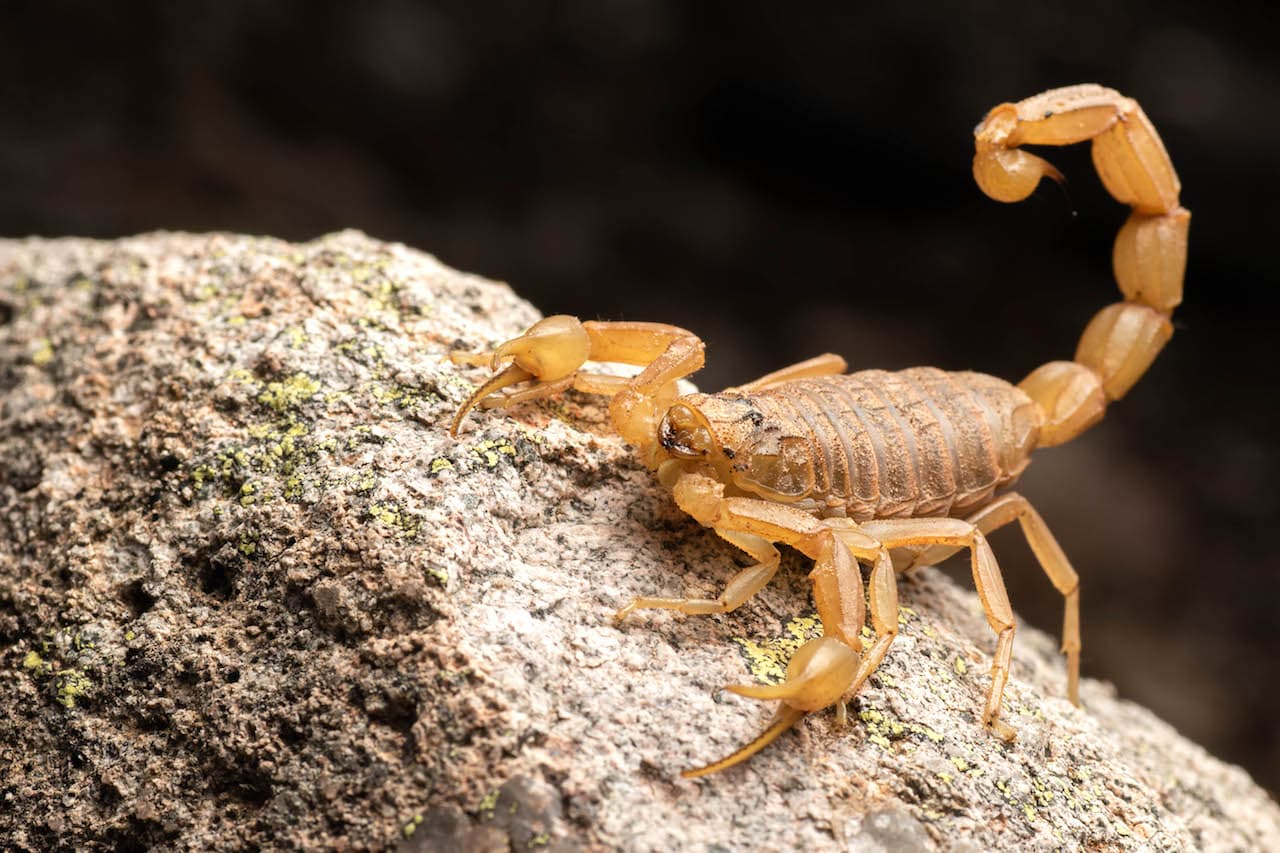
(253, 596)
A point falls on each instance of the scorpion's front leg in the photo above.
(741, 587)
(882, 592)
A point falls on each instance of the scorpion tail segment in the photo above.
(1150, 251)
(1011, 175)
(511, 376)
(1002, 171)
(783, 720)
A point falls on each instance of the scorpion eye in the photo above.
(684, 433)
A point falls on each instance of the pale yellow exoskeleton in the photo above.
(855, 468)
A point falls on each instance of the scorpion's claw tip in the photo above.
(511, 376)
(783, 720)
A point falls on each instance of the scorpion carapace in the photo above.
(866, 467)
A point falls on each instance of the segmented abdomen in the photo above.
(913, 443)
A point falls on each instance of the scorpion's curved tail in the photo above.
(1150, 252)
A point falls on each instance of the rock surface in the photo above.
(253, 595)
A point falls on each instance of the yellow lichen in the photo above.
(393, 516)
(244, 377)
(490, 452)
(926, 732)
(440, 574)
(767, 660)
(72, 685)
(883, 730)
(411, 825)
(488, 804)
(44, 352)
(202, 473)
(34, 663)
(383, 394)
(289, 393)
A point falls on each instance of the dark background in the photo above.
(783, 182)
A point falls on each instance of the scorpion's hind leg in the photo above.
(1053, 562)
(827, 364)
(896, 533)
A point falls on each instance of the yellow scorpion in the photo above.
(853, 468)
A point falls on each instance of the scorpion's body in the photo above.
(916, 443)
(886, 469)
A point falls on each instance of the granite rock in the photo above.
(252, 595)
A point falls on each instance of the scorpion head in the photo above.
(730, 434)
(685, 433)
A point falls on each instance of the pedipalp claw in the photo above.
(817, 676)
(550, 352)
(552, 349)
(783, 720)
(511, 376)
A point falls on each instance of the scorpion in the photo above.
(888, 469)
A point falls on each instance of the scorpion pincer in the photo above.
(857, 468)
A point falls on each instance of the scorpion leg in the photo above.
(827, 364)
(741, 587)
(883, 595)
(896, 533)
(821, 670)
(1053, 562)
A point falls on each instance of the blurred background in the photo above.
(783, 182)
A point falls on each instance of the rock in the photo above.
(252, 594)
